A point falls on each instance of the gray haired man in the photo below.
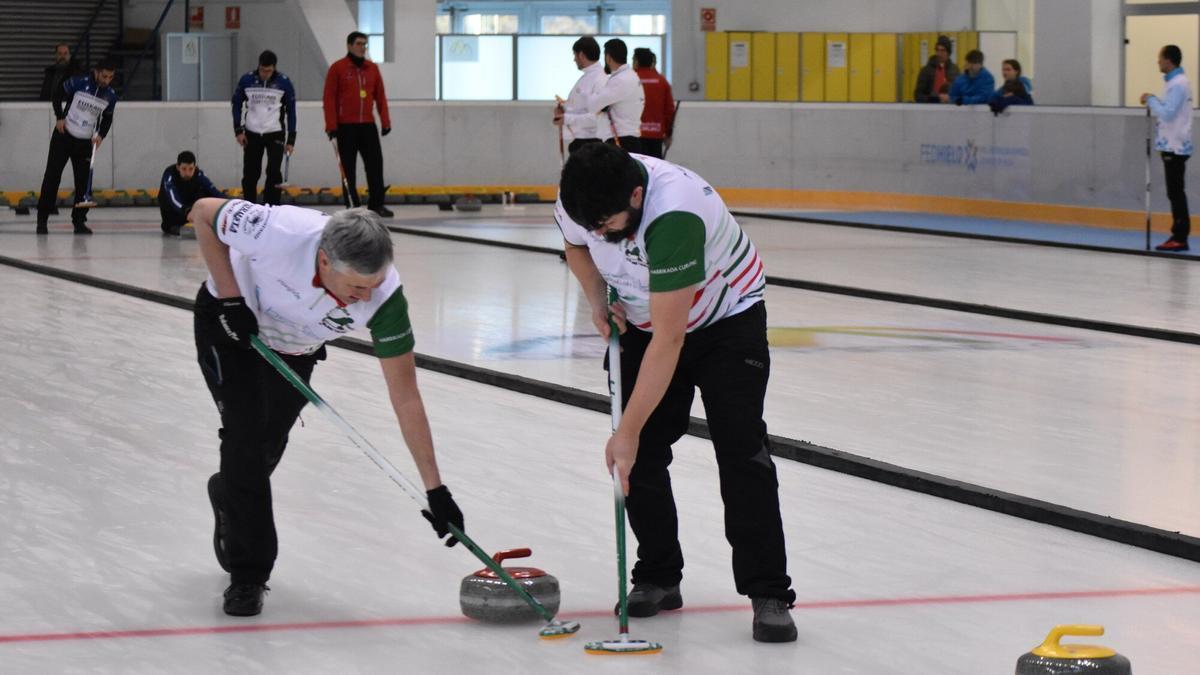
(296, 278)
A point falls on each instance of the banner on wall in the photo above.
(233, 18)
(708, 19)
(196, 20)
(992, 159)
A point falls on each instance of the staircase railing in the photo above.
(152, 41)
(85, 40)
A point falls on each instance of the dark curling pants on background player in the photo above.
(272, 143)
(730, 364)
(1173, 168)
(352, 140)
(258, 408)
(78, 151)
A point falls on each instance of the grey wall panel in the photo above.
(1072, 156)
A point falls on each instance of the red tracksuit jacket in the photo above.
(658, 115)
(350, 92)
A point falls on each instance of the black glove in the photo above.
(235, 321)
(331, 134)
(443, 512)
(386, 131)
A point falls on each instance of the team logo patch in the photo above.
(338, 320)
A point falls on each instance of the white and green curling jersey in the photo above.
(687, 238)
(274, 254)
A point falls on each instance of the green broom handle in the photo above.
(390, 469)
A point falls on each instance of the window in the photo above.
(370, 21)
(491, 24)
(561, 24)
(637, 24)
(441, 24)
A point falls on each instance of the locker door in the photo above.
(787, 66)
(763, 66)
(860, 61)
(716, 68)
(885, 70)
(837, 67)
(812, 67)
(741, 81)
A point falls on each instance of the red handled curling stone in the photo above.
(1053, 658)
(485, 597)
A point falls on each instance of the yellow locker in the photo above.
(812, 67)
(884, 70)
(741, 81)
(787, 66)
(716, 68)
(837, 69)
(964, 42)
(859, 59)
(763, 66)
(909, 67)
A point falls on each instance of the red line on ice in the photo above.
(708, 609)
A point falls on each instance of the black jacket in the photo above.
(53, 77)
(924, 92)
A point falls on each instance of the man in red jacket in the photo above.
(352, 86)
(658, 115)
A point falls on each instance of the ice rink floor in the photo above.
(109, 436)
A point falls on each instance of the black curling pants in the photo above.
(730, 364)
(258, 408)
(355, 139)
(78, 151)
(256, 144)
(1181, 222)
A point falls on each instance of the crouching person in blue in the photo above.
(181, 185)
(296, 278)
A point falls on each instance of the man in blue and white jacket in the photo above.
(263, 100)
(1174, 141)
(83, 107)
(182, 184)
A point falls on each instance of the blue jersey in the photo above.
(263, 107)
(85, 105)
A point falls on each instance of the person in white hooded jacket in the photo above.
(1173, 140)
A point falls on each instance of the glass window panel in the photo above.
(637, 24)
(1145, 36)
(569, 25)
(370, 16)
(377, 48)
(546, 66)
(477, 68)
(441, 24)
(491, 24)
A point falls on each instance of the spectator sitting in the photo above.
(1012, 93)
(939, 72)
(64, 68)
(182, 184)
(1011, 70)
(976, 85)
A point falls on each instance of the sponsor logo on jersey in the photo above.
(393, 338)
(338, 320)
